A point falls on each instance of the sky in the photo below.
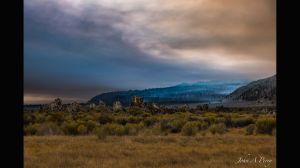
(76, 49)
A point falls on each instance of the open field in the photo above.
(149, 151)
(143, 138)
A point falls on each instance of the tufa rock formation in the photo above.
(137, 101)
(117, 106)
(73, 107)
(56, 105)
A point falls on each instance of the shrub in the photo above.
(250, 129)
(121, 120)
(81, 129)
(228, 121)
(265, 125)
(114, 129)
(189, 129)
(149, 121)
(70, 128)
(31, 129)
(217, 128)
(28, 118)
(210, 120)
(132, 129)
(188, 117)
(242, 122)
(101, 132)
(135, 111)
(202, 125)
(49, 129)
(40, 118)
(90, 125)
(218, 120)
(163, 125)
(133, 119)
(175, 126)
(55, 117)
(105, 118)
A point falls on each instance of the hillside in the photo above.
(263, 90)
(212, 91)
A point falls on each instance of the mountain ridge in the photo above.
(262, 89)
(208, 91)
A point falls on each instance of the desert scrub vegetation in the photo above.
(250, 129)
(265, 125)
(218, 128)
(190, 128)
(137, 121)
(49, 128)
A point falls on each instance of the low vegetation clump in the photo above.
(190, 129)
(250, 129)
(81, 129)
(242, 122)
(175, 126)
(70, 128)
(265, 125)
(31, 129)
(218, 128)
(49, 129)
(132, 129)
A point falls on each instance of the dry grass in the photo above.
(210, 151)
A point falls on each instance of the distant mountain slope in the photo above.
(263, 89)
(183, 93)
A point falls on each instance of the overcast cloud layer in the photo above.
(75, 49)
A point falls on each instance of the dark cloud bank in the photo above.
(77, 49)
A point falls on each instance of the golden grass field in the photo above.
(171, 151)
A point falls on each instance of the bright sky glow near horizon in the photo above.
(76, 49)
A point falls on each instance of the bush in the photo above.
(210, 120)
(242, 122)
(31, 129)
(163, 126)
(114, 129)
(28, 118)
(55, 117)
(81, 129)
(188, 117)
(135, 111)
(202, 125)
(135, 120)
(217, 128)
(121, 120)
(149, 121)
(105, 118)
(90, 125)
(132, 129)
(49, 129)
(40, 118)
(265, 125)
(70, 128)
(228, 121)
(189, 129)
(175, 126)
(250, 129)
(101, 132)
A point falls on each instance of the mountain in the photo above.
(263, 89)
(209, 91)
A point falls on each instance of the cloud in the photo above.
(79, 48)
